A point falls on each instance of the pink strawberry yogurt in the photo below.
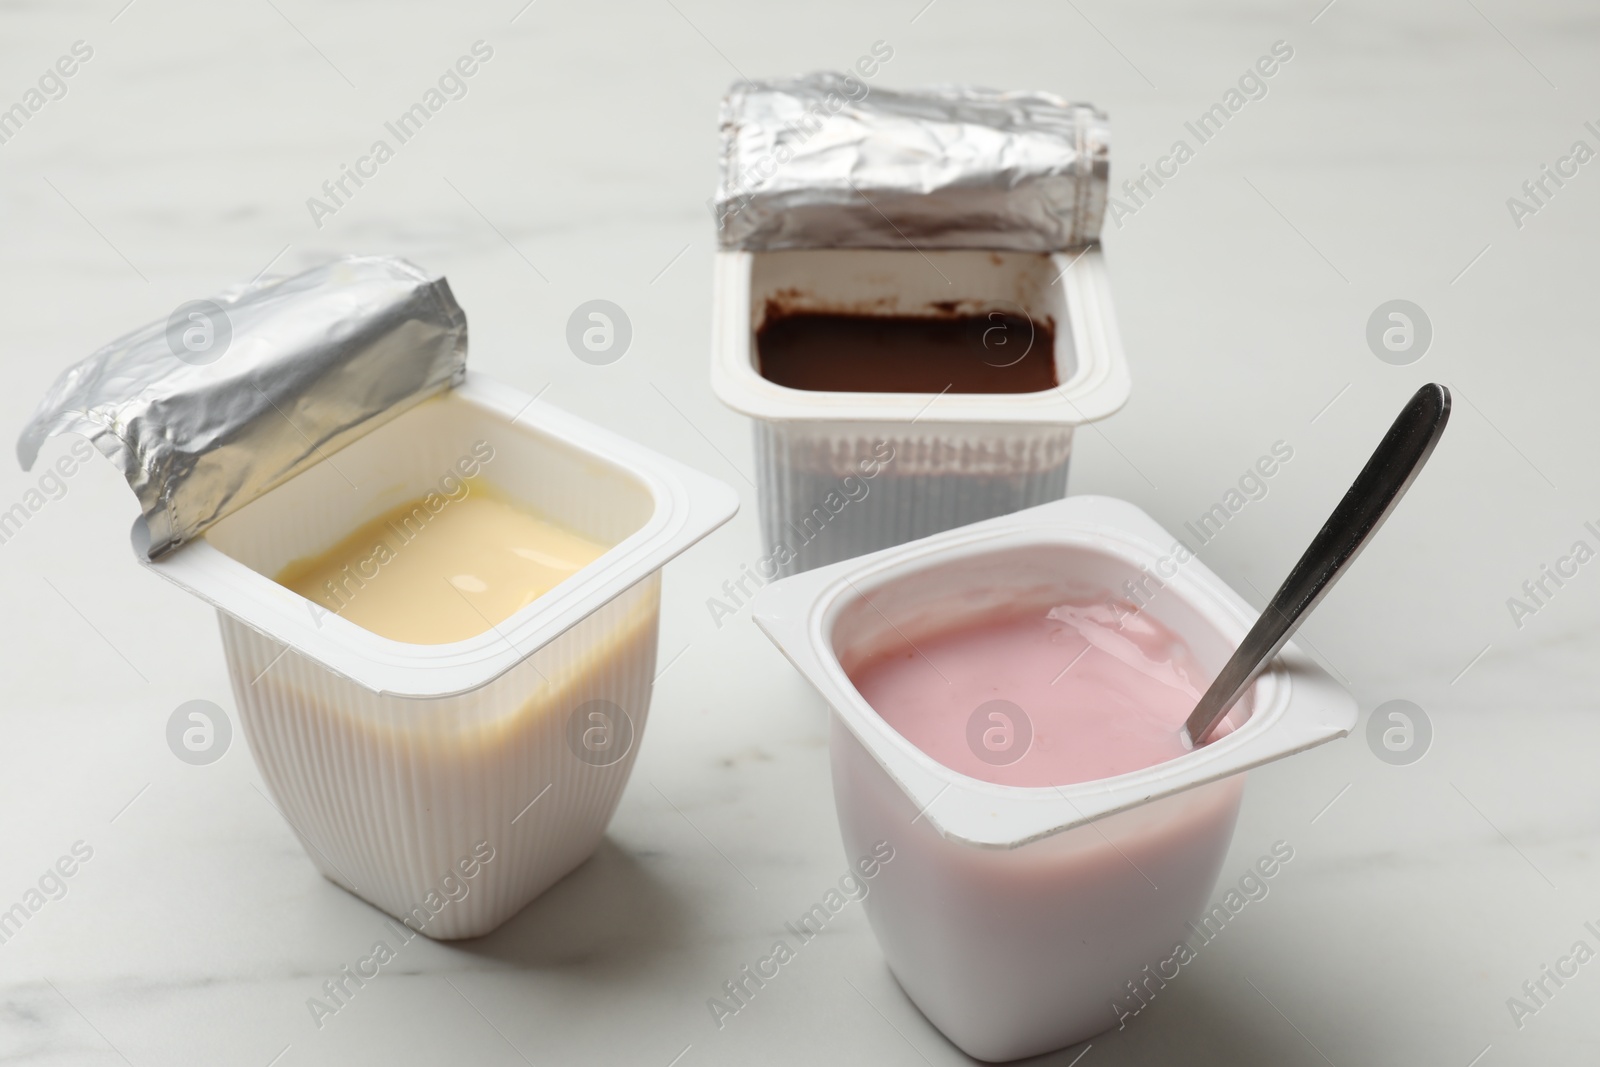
(1049, 697)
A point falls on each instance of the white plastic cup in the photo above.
(1015, 918)
(954, 458)
(401, 766)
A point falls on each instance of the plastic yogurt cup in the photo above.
(1015, 917)
(843, 473)
(401, 766)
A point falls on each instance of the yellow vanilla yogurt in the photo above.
(442, 569)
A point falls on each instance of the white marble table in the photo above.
(578, 166)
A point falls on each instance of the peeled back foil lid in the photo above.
(824, 161)
(225, 399)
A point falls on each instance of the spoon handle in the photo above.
(1372, 496)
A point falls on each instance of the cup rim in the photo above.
(1099, 386)
(1297, 705)
(688, 505)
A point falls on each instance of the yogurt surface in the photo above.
(1047, 697)
(441, 569)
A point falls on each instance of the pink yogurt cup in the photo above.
(1015, 917)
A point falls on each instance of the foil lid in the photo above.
(226, 398)
(823, 161)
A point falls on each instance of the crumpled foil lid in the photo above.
(227, 398)
(824, 161)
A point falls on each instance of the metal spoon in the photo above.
(1372, 496)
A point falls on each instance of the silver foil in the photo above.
(825, 161)
(202, 423)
